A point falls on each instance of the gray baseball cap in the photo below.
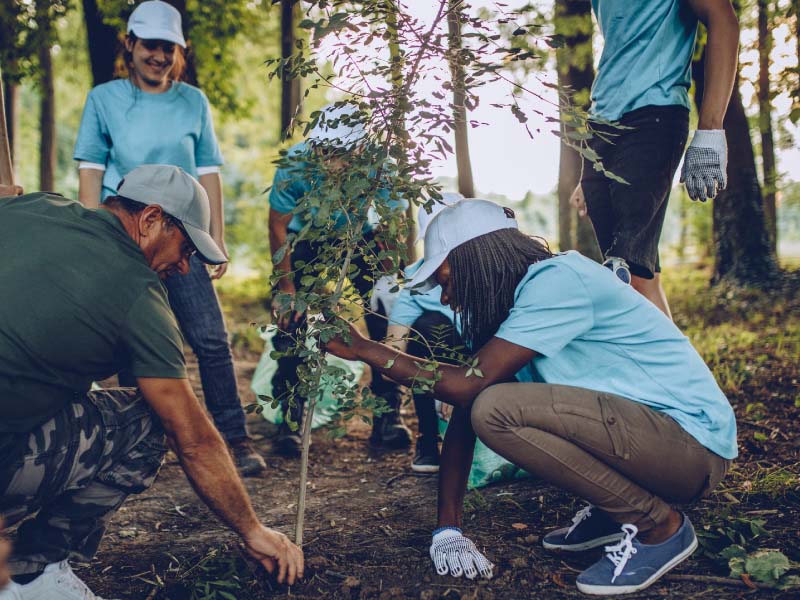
(181, 196)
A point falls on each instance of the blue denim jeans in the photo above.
(196, 307)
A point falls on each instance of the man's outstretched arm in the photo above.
(206, 462)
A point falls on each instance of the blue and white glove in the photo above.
(455, 554)
(705, 165)
(384, 293)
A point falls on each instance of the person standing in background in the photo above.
(640, 121)
(154, 117)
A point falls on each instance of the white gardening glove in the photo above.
(705, 165)
(382, 294)
(452, 553)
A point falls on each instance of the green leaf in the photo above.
(389, 364)
(767, 566)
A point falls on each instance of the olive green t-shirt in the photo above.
(78, 302)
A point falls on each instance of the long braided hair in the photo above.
(484, 273)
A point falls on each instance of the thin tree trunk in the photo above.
(190, 74)
(11, 106)
(102, 42)
(398, 116)
(466, 184)
(765, 122)
(290, 87)
(573, 19)
(47, 121)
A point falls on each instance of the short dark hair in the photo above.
(134, 207)
(484, 274)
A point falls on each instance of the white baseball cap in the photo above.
(181, 196)
(338, 127)
(424, 217)
(451, 227)
(156, 20)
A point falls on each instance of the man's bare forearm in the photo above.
(213, 476)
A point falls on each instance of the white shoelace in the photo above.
(582, 514)
(621, 552)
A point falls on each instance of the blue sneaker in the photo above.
(620, 268)
(591, 527)
(630, 566)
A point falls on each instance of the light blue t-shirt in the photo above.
(123, 127)
(647, 55)
(409, 307)
(291, 184)
(593, 331)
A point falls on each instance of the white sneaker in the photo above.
(11, 592)
(57, 582)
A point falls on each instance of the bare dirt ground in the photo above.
(369, 521)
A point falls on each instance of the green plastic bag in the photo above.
(325, 408)
(487, 466)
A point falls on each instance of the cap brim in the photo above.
(207, 249)
(423, 280)
(158, 34)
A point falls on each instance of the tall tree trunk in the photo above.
(11, 106)
(573, 20)
(743, 254)
(47, 120)
(102, 41)
(466, 184)
(290, 87)
(190, 74)
(398, 115)
(765, 122)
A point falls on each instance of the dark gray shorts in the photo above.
(628, 217)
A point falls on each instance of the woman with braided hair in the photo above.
(619, 408)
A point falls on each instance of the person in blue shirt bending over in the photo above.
(422, 326)
(153, 117)
(327, 151)
(628, 416)
(640, 120)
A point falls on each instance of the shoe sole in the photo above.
(587, 545)
(611, 590)
(425, 468)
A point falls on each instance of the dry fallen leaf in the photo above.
(519, 526)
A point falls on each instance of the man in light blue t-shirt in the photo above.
(642, 85)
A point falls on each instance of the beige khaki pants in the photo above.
(627, 459)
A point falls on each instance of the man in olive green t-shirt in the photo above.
(80, 297)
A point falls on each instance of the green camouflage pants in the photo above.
(76, 470)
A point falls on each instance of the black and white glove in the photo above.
(705, 164)
(384, 294)
(455, 554)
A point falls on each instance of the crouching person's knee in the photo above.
(135, 442)
(486, 415)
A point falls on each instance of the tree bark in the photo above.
(742, 252)
(102, 42)
(47, 121)
(398, 115)
(290, 87)
(466, 184)
(573, 20)
(765, 122)
(190, 74)
(11, 106)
